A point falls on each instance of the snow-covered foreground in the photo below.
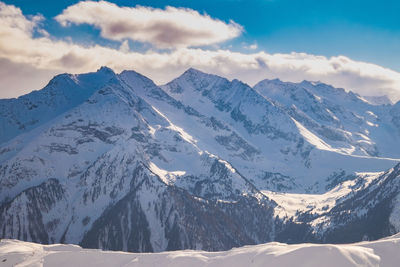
(384, 252)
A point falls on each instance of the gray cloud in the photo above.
(71, 60)
(19, 78)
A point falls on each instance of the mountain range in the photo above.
(114, 161)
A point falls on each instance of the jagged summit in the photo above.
(105, 69)
(276, 80)
(193, 74)
(194, 71)
(271, 81)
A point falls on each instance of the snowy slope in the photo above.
(343, 120)
(383, 253)
(63, 92)
(284, 152)
(364, 208)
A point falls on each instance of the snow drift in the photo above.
(382, 252)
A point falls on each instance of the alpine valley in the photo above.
(113, 161)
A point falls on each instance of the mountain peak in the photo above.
(194, 71)
(134, 78)
(140, 84)
(105, 69)
(275, 81)
(133, 73)
(194, 74)
(192, 78)
(313, 83)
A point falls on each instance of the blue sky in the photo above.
(352, 44)
(366, 30)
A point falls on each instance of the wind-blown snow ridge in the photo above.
(383, 253)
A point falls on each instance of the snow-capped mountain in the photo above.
(281, 134)
(114, 161)
(340, 120)
(62, 93)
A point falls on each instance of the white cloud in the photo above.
(251, 47)
(37, 59)
(169, 28)
(124, 47)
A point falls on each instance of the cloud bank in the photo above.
(27, 62)
(169, 28)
